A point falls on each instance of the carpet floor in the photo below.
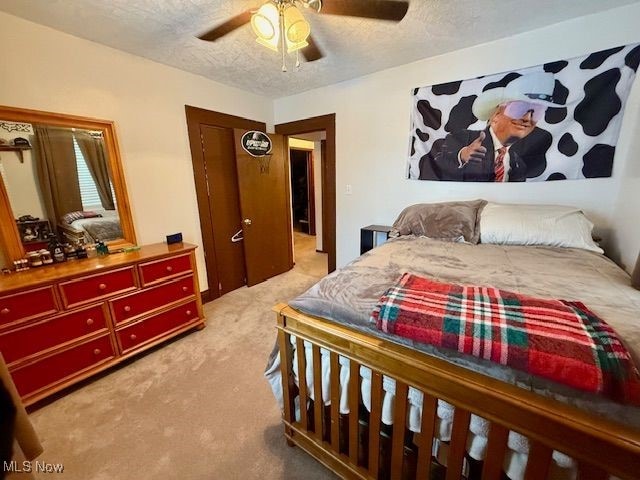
(196, 408)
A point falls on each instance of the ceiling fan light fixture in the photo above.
(266, 25)
(296, 29)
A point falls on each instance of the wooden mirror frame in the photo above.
(10, 240)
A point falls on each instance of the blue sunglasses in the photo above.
(518, 109)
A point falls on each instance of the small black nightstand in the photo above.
(370, 236)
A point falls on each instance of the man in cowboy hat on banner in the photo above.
(512, 113)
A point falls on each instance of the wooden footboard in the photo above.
(357, 445)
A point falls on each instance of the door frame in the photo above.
(195, 117)
(326, 123)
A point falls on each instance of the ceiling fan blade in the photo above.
(378, 9)
(311, 53)
(227, 27)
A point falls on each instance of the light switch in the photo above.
(348, 190)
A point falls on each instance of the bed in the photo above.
(395, 408)
(105, 227)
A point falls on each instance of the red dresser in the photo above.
(63, 323)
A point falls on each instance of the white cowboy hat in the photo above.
(536, 87)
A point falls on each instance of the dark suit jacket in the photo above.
(448, 168)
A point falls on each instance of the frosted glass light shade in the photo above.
(266, 25)
(296, 29)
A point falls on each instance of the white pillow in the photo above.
(551, 225)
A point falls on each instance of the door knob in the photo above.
(247, 221)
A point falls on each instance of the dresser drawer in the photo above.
(145, 301)
(155, 272)
(95, 287)
(138, 333)
(35, 337)
(23, 306)
(62, 365)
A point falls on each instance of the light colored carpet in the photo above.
(197, 408)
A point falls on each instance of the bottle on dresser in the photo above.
(56, 249)
(81, 251)
(69, 251)
(101, 248)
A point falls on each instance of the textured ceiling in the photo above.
(165, 31)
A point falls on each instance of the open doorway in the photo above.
(305, 173)
(324, 177)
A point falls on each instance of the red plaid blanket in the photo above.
(556, 339)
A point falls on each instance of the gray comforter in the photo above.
(349, 295)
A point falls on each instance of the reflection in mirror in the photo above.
(61, 175)
(60, 185)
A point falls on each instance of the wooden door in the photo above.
(222, 186)
(265, 208)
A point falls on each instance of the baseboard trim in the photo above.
(206, 296)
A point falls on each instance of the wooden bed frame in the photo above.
(73, 235)
(354, 447)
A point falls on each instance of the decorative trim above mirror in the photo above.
(11, 240)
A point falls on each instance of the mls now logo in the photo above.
(37, 466)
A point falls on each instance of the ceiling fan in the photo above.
(280, 26)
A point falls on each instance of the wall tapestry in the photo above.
(555, 121)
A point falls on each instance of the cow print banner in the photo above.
(556, 121)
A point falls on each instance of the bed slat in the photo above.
(354, 405)
(317, 391)
(427, 426)
(458, 443)
(586, 471)
(374, 423)
(288, 385)
(496, 448)
(538, 461)
(302, 383)
(399, 422)
(335, 401)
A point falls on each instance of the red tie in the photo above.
(499, 164)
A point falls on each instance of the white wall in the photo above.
(372, 122)
(44, 69)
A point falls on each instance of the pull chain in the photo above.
(284, 44)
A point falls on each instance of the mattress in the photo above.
(105, 228)
(347, 296)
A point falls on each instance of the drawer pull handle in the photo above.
(133, 336)
(5, 311)
(127, 308)
(102, 286)
(188, 312)
(185, 289)
(169, 268)
(89, 321)
(97, 351)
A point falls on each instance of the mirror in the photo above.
(60, 174)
